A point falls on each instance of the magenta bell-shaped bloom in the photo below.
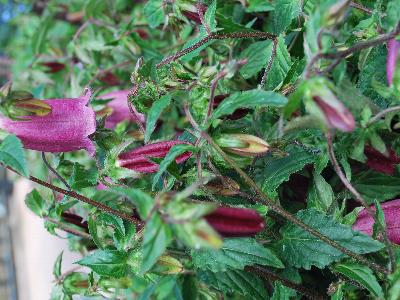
(120, 109)
(393, 53)
(65, 128)
(391, 210)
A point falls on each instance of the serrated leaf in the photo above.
(82, 178)
(113, 221)
(244, 283)
(36, 203)
(361, 274)
(257, 55)
(173, 153)
(258, 6)
(12, 155)
(280, 67)
(106, 262)
(279, 170)
(154, 13)
(209, 16)
(235, 253)
(285, 11)
(248, 99)
(303, 250)
(157, 237)
(154, 113)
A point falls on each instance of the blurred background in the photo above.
(27, 250)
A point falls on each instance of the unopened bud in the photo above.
(223, 186)
(30, 107)
(243, 144)
(167, 265)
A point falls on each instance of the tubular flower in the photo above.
(53, 66)
(391, 210)
(65, 128)
(119, 109)
(139, 159)
(381, 163)
(235, 222)
(192, 13)
(393, 53)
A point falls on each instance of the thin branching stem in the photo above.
(55, 172)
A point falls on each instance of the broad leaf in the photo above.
(257, 55)
(36, 203)
(303, 250)
(235, 254)
(82, 178)
(154, 12)
(143, 202)
(12, 155)
(154, 113)
(285, 11)
(106, 262)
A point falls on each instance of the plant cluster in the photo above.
(204, 149)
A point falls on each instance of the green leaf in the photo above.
(244, 283)
(235, 253)
(106, 262)
(157, 236)
(373, 185)
(258, 6)
(280, 67)
(362, 275)
(321, 194)
(143, 202)
(12, 155)
(173, 153)
(303, 250)
(154, 113)
(248, 99)
(113, 221)
(285, 11)
(257, 55)
(36, 203)
(279, 170)
(154, 12)
(392, 15)
(209, 16)
(82, 178)
(57, 266)
(39, 38)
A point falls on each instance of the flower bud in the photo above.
(53, 66)
(380, 162)
(139, 159)
(235, 222)
(30, 107)
(109, 78)
(391, 210)
(190, 12)
(167, 265)
(391, 62)
(334, 113)
(243, 144)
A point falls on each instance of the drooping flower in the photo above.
(65, 128)
(243, 144)
(119, 109)
(235, 222)
(139, 159)
(391, 210)
(393, 53)
(381, 163)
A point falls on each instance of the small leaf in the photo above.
(82, 178)
(235, 253)
(157, 236)
(362, 275)
(57, 266)
(143, 202)
(12, 155)
(154, 113)
(36, 203)
(248, 99)
(154, 12)
(321, 194)
(39, 38)
(285, 11)
(258, 6)
(106, 262)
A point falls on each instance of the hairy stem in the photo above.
(269, 65)
(361, 200)
(69, 229)
(55, 172)
(383, 113)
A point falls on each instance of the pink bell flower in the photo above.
(65, 128)
(391, 210)
(393, 53)
(120, 109)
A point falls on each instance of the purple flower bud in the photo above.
(232, 221)
(391, 210)
(66, 128)
(139, 159)
(120, 109)
(381, 163)
(335, 113)
(393, 53)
